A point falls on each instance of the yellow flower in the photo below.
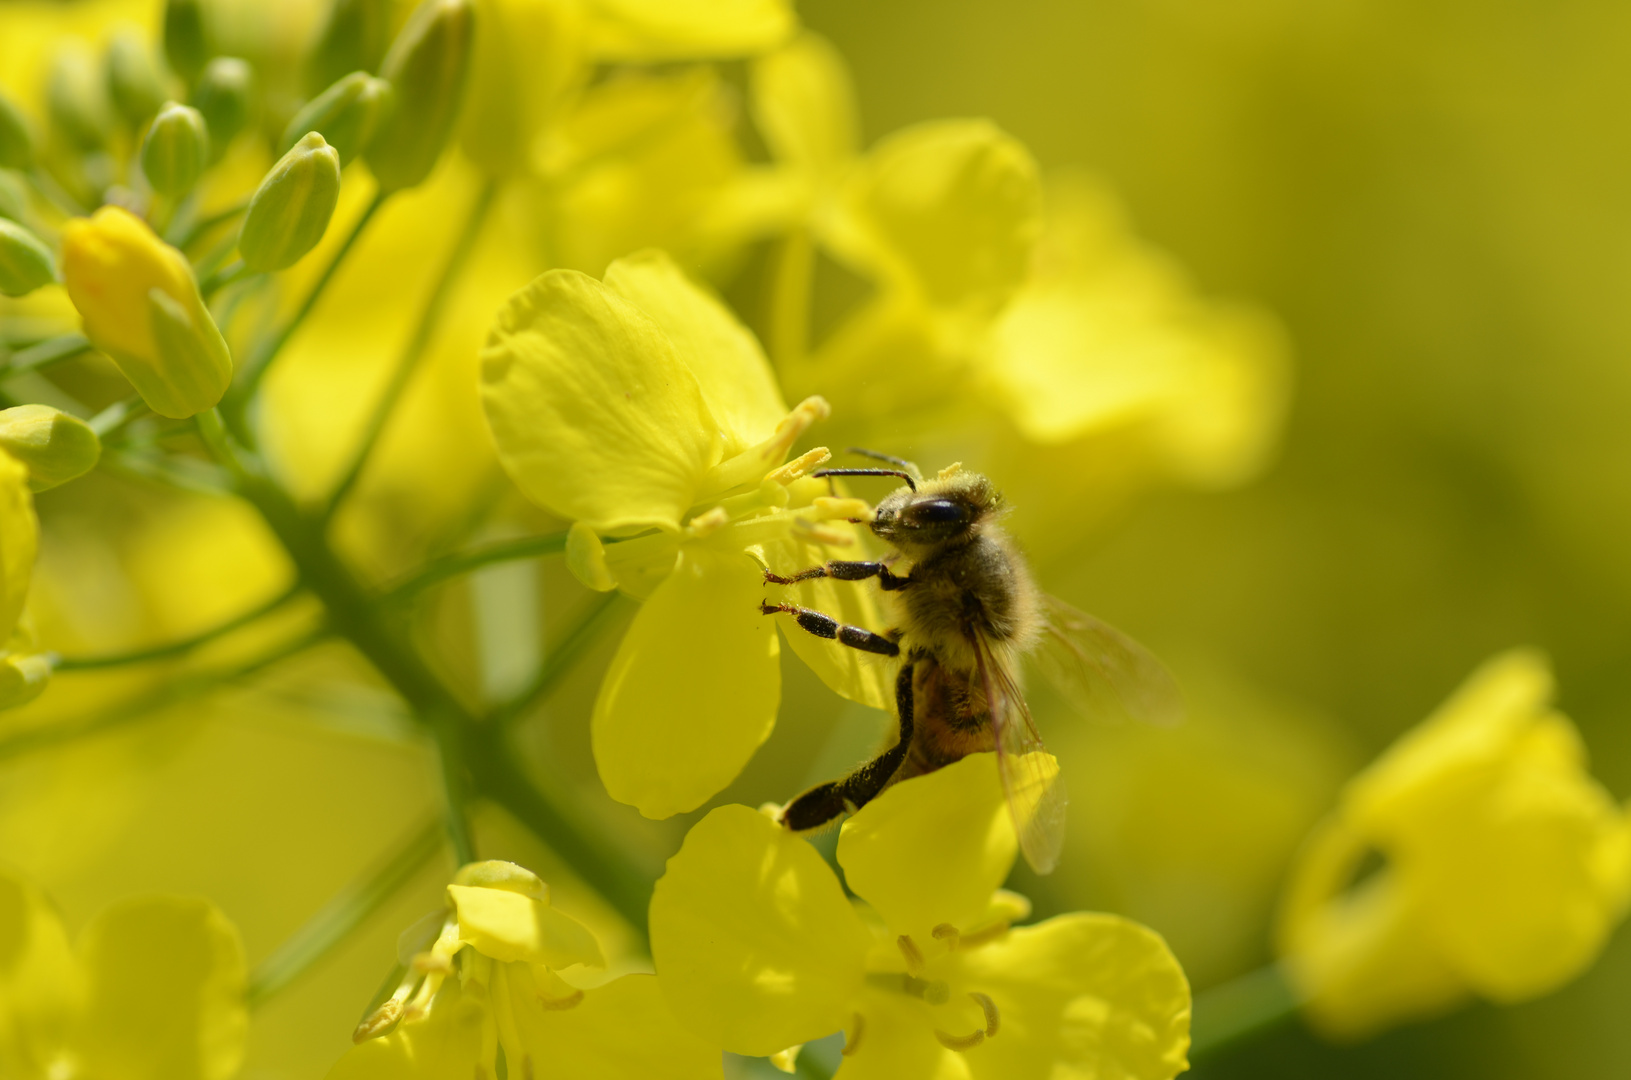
(640, 409)
(140, 304)
(153, 992)
(22, 676)
(757, 947)
(1506, 865)
(490, 981)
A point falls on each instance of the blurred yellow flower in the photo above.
(140, 304)
(641, 410)
(757, 947)
(490, 981)
(22, 676)
(153, 992)
(1505, 864)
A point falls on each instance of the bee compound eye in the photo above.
(938, 512)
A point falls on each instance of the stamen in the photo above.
(751, 464)
(428, 963)
(828, 508)
(983, 936)
(909, 949)
(960, 1043)
(812, 533)
(948, 933)
(852, 1037)
(709, 523)
(563, 1003)
(804, 415)
(993, 1019)
(378, 1022)
(526, 1067)
(799, 466)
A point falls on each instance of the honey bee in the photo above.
(968, 614)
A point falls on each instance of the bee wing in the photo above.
(1102, 671)
(1030, 775)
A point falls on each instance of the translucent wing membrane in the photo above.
(1102, 671)
(1030, 775)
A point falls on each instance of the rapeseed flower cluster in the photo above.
(327, 325)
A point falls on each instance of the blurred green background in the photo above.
(1435, 198)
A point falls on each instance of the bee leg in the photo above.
(825, 626)
(824, 802)
(846, 571)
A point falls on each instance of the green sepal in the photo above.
(291, 209)
(55, 446)
(186, 44)
(176, 149)
(346, 114)
(196, 363)
(16, 143)
(134, 83)
(224, 95)
(426, 68)
(25, 262)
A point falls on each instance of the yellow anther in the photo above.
(812, 533)
(799, 466)
(852, 1037)
(787, 1060)
(909, 949)
(378, 1022)
(709, 523)
(828, 508)
(794, 425)
(561, 1004)
(951, 470)
(993, 1019)
(960, 1043)
(948, 933)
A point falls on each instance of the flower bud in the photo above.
(353, 39)
(175, 150)
(19, 543)
(140, 305)
(426, 69)
(186, 46)
(55, 446)
(346, 114)
(76, 99)
(134, 83)
(22, 679)
(292, 207)
(25, 261)
(16, 144)
(223, 97)
(13, 196)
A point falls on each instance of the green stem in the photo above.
(463, 562)
(233, 271)
(255, 370)
(113, 419)
(54, 193)
(64, 347)
(349, 909)
(1240, 1010)
(204, 225)
(430, 315)
(558, 661)
(175, 648)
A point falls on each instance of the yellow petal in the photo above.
(693, 689)
(39, 986)
(1082, 995)
(526, 55)
(730, 367)
(623, 1029)
(19, 541)
(677, 29)
(805, 106)
(949, 209)
(447, 1043)
(595, 416)
(508, 927)
(166, 992)
(895, 1038)
(756, 946)
(932, 849)
(856, 675)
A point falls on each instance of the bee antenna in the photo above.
(911, 481)
(909, 466)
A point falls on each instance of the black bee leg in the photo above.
(824, 802)
(846, 571)
(825, 626)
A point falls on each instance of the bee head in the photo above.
(940, 511)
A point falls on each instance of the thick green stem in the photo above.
(1240, 1010)
(348, 909)
(464, 562)
(430, 315)
(175, 648)
(65, 347)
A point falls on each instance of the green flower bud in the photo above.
(292, 207)
(223, 95)
(426, 69)
(16, 144)
(346, 114)
(186, 45)
(25, 261)
(22, 679)
(353, 39)
(13, 196)
(76, 99)
(134, 83)
(175, 150)
(56, 446)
